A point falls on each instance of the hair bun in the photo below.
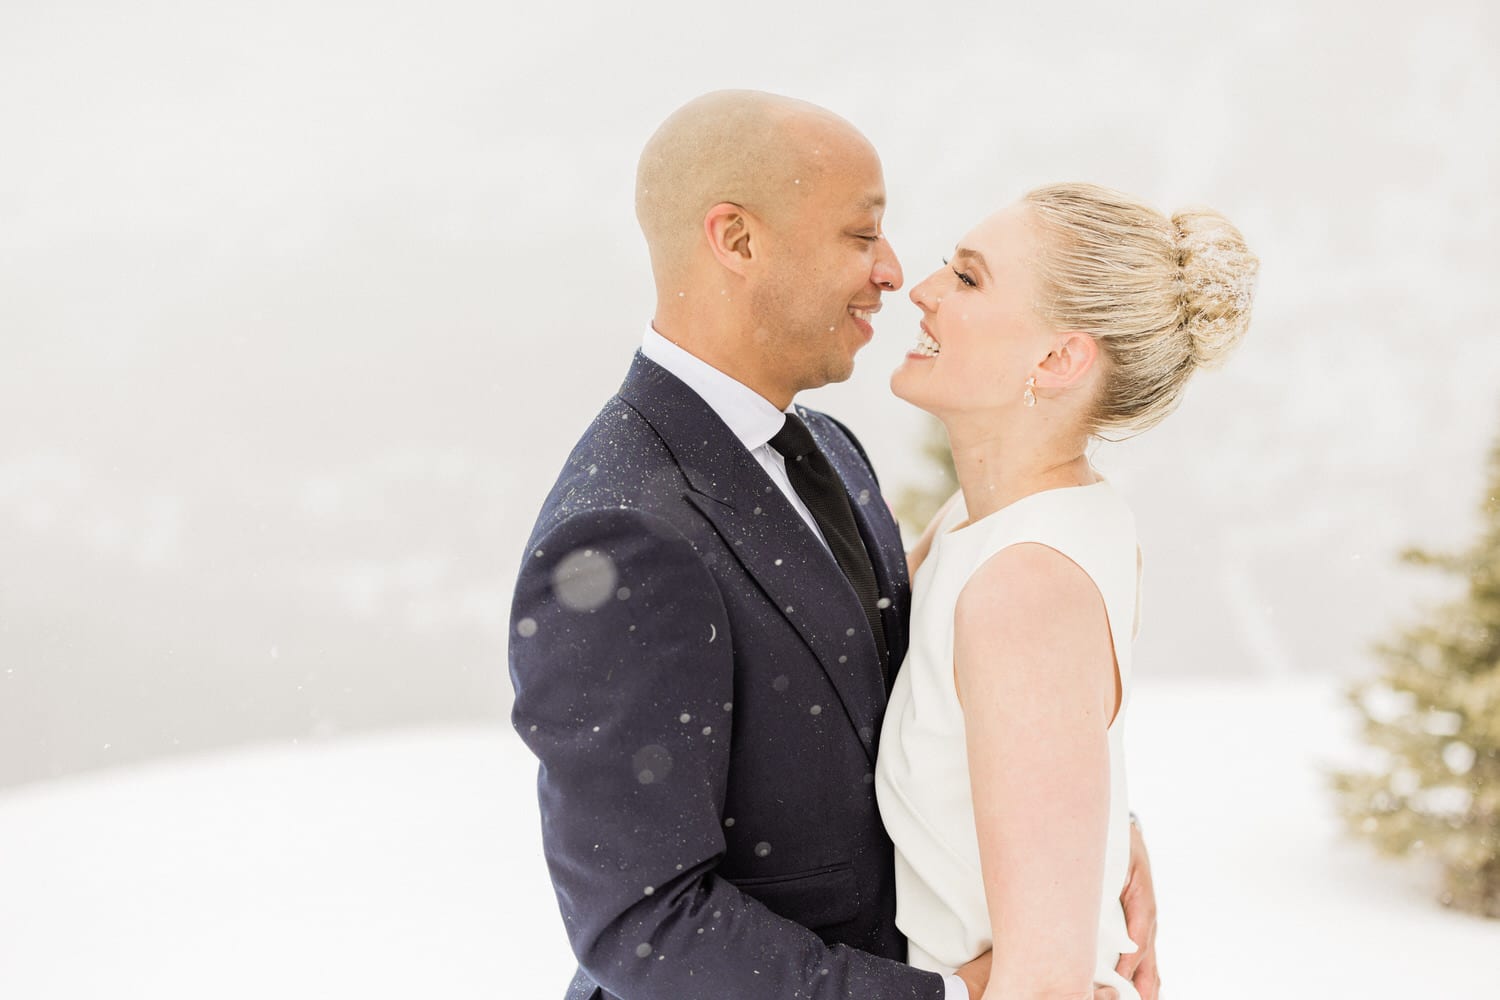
(1218, 283)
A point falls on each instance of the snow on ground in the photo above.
(1261, 894)
(401, 865)
(409, 865)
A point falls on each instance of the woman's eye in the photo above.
(962, 276)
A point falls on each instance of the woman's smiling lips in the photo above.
(926, 346)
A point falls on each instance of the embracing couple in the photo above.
(780, 756)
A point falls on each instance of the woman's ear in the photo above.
(1072, 357)
(728, 227)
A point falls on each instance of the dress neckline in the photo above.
(962, 529)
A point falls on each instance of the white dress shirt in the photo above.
(754, 420)
(750, 416)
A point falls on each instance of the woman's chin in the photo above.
(905, 383)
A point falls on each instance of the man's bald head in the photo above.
(760, 151)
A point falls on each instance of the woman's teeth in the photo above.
(926, 346)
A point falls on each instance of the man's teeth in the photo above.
(863, 314)
(926, 346)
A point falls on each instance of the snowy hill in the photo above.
(409, 865)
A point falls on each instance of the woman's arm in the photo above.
(1035, 668)
(924, 544)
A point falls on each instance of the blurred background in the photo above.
(303, 304)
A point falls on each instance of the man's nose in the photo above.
(887, 270)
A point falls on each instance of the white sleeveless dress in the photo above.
(922, 772)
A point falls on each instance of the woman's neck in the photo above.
(995, 468)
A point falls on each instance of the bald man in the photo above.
(714, 599)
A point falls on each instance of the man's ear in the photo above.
(1073, 356)
(727, 227)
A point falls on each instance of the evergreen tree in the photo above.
(1433, 716)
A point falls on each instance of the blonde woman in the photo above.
(1075, 313)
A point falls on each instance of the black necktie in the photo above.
(823, 492)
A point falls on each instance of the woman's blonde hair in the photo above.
(1162, 296)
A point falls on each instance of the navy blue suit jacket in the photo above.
(695, 676)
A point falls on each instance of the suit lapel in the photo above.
(768, 538)
(877, 527)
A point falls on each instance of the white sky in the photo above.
(311, 298)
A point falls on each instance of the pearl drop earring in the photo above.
(1029, 398)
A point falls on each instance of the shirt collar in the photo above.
(750, 416)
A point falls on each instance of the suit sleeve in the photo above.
(622, 661)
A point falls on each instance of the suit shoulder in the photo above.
(831, 425)
(611, 526)
(619, 462)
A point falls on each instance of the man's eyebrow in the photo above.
(963, 253)
(873, 201)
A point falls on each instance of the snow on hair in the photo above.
(1163, 297)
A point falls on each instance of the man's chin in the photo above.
(841, 372)
(828, 375)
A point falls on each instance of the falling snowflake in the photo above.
(652, 764)
(584, 580)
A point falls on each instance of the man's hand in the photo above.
(976, 975)
(1139, 901)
